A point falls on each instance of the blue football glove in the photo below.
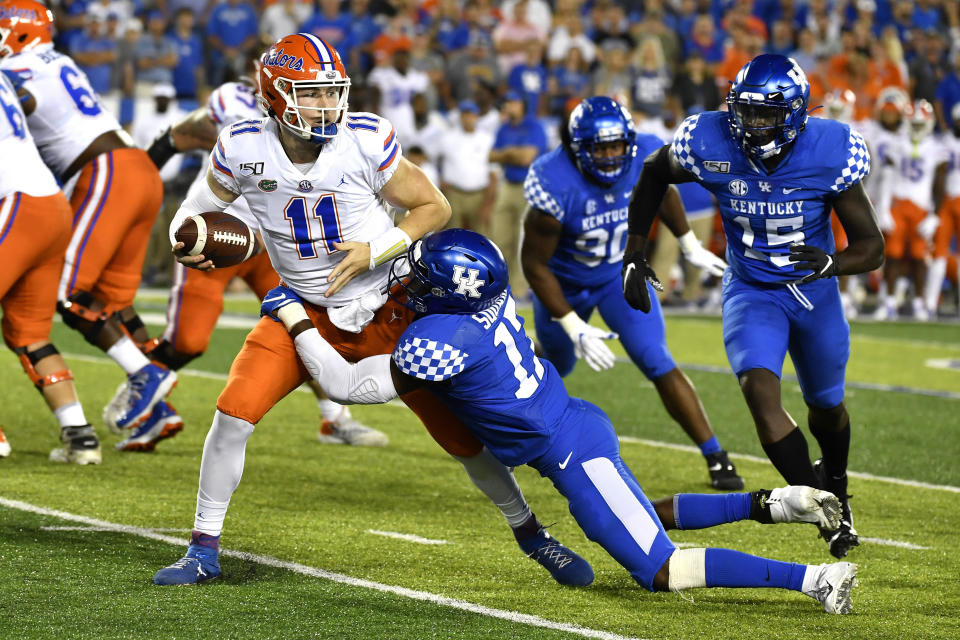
(276, 299)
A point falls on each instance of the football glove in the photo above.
(695, 254)
(807, 257)
(276, 299)
(928, 226)
(635, 274)
(588, 341)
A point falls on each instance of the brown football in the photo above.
(219, 236)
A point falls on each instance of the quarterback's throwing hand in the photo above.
(588, 341)
(356, 261)
(807, 257)
(635, 273)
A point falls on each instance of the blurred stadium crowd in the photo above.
(477, 88)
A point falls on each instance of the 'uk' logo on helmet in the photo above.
(281, 59)
(467, 286)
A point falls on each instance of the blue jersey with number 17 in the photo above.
(764, 213)
(489, 377)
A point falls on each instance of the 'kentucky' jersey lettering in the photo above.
(764, 213)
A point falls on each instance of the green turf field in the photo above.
(79, 546)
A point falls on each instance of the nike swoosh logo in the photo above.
(715, 467)
(563, 465)
(626, 274)
(789, 191)
(274, 299)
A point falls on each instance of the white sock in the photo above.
(220, 470)
(330, 410)
(128, 355)
(935, 275)
(70, 415)
(497, 483)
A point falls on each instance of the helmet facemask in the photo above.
(293, 118)
(761, 125)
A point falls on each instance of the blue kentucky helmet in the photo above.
(452, 271)
(593, 122)
(767, 104)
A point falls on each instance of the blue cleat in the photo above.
(199, 565)
(164, 422)
(145, 389)
(276, 299)
(566, 567)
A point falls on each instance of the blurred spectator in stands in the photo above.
(613, 77)
(654, 25)
(569, 81)
(449, 30)
(488, 16)
(538, 13)
(745, 46)
(740, 14)
(530, 78)
(126, 69)
(328, 23)
(188, 74)
(156, 53)
(686, 16)
(903, 20)
(865, 77)
(512, 36)
(283, 18)
(149, 122)
(569, 34)
(926, 15)
(100, 9)
(427, 61)
(70, 20)
(95, 53)
(232, 37)
(418, 156)
(518, 142)
(475, 63)
(781, 38)
(397, 34)
(705, 39)
(363, 31)
(805, 54)
(652, 77)
(485, 96)
(396, 84)
(607, 21)
(466, 177)
(428, 130)
(948, 94)
(825, 25)
(694, 87)
(201, 8)
(928, 67)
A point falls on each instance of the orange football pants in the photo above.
(34, 233)
(949, 226)
(196, 299)
(903, 240)
(268, 368)
(115, 202)
(839, 235)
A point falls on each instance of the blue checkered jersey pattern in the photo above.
(763, 213)
(594, 217)
(486, 372)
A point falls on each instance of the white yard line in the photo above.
(893, 543)
(405, 536)
(313, 572)
(98, 529)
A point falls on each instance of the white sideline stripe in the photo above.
(99, 529)
(894, 543)
(405, 536)
(509, 616)
(652, 443)
(744, 456)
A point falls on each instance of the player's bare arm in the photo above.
(217, 198)
(856, 214)
(409, 188)
(195, 131)
(541, 236)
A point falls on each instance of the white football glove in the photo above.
(885, 220)
(588, 341)
(699, 257)
(928, 226)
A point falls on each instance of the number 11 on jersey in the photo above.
(325, 210)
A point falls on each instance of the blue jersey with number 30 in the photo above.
(490, 377)
(764, 213)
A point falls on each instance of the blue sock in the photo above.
(710, 446)
(727, 568)
(205, 540)
(702, 510)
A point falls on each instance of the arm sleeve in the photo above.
(856, 163)
(366, 382)
(536, 190)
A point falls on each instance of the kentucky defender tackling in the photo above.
(776, 176)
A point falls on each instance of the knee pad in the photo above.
(159, 350)
(688, 569)
(78, 315)
(28, 361)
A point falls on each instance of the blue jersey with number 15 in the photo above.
(764, 213)
(489, 376)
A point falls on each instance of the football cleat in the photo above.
(804, 504)
(80, 446)
(200, 564)
(346, 430)
(116, 407)
(843, 537)
(830, 585)
(146, 388)
(566, 567)
(4, 445)
(723, 475)
(163, 423)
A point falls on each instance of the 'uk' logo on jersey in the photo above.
(609, 198)
(738, 187)
(467, 286)
(765, 186)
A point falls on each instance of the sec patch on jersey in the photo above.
(219, 236)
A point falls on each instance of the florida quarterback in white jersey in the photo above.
(114, 190)
(317, 179)
(34, 233)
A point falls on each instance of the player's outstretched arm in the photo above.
(408, 188)
(674, 215)
(865, 250)
(195, 131)
(215, 197)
